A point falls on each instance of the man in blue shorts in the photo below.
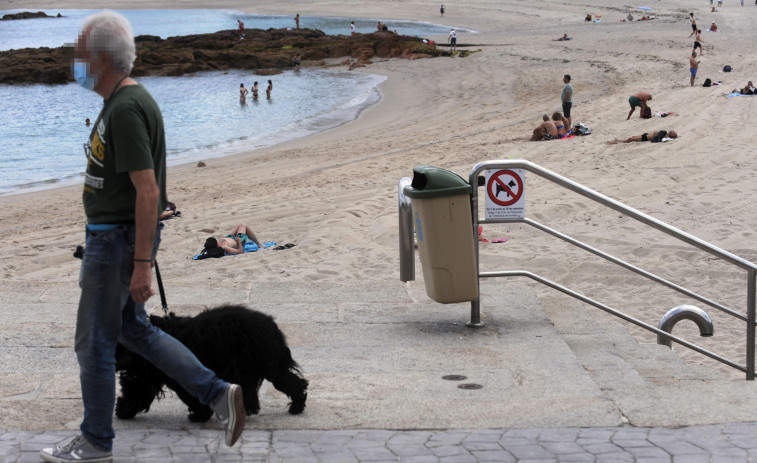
(693, 66)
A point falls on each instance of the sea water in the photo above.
(42, 127)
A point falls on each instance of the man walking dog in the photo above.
(124, 192)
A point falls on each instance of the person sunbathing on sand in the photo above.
(233, 242)
(748, 90)
(546, 131)
(657, 137)
(564, 37)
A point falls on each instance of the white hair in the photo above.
(111, 33)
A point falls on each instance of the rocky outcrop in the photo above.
(258, 50)
(28, 15)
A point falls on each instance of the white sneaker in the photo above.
(229, 410)
(79, 450)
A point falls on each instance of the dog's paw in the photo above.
(297, 407)
(123, 412)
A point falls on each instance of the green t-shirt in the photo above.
(129, 136)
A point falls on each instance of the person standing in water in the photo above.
(269, 89)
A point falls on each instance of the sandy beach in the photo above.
(334, 195)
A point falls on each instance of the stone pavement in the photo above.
(536, 388)
(731, 443)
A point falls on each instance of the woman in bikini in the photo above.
(560, 123)
(255, 91)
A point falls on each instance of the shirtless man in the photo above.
(546, 131)
(644, 137)
(297, 20)
(698, 42)
(233, 243)
(640, 99)
(693, 25)
(693, 66)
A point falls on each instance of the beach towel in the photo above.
(250, 246)
(733, 94)
(645, 8)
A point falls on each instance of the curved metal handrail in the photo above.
(733, 259)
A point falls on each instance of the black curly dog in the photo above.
(242, 346)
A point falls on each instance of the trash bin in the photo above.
(444, 229)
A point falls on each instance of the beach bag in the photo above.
(581, 129)
(657, 138)
(727, 69)
(647, 113)
(707, 82)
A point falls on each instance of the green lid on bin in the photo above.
(433, 182)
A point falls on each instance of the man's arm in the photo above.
(231, 250)
(145, 213)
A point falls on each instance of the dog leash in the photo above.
(160, 288)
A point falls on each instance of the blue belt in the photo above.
(101, 226)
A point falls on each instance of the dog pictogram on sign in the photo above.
(504, 194)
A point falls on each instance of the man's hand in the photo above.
(141, 282)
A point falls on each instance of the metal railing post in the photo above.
(475, 305)
(750, 320)
(407, 250)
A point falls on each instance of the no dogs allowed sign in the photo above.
(505, 198)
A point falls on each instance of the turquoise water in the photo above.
(42, 127)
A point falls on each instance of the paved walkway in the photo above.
(554, 388)
(729, 443)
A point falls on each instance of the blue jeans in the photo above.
(107, 315)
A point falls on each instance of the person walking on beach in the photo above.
(441, 10)
(693, 66)
(297, 20)
(567, 98)
(352, 28)
(269, 89)
(452, 39)
(638, 100)
(124, 193)
(241, 29)
(693, 25)
(242, 93)
(698, 42)
(296, 61)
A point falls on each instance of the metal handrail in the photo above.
(733, 259)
